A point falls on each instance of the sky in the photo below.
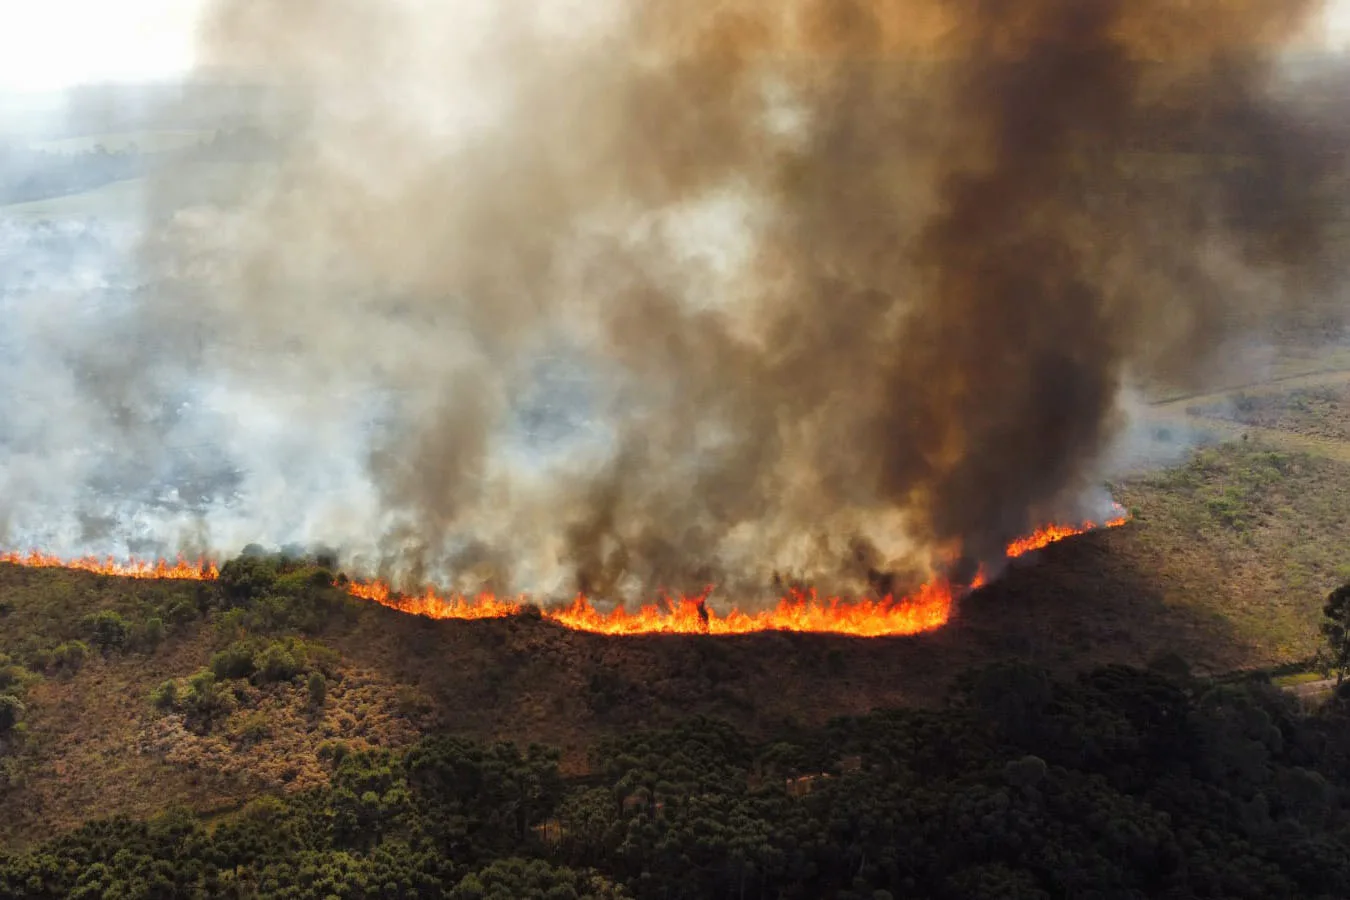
(48, 45)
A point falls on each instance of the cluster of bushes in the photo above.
(14, 680)
(206, 695)
(1121, 783)
(67, 657)
(111, 632)
(263, 592)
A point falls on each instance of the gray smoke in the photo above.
(626, 295)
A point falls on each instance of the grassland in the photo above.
(1253, 534)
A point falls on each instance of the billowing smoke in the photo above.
(670, 292)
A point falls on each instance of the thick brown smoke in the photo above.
(859, 283)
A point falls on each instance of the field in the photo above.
(186, 184)
(122, 141)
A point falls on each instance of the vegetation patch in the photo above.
(1250, 534)
(1119, 782)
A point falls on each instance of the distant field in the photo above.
(1320, 411)
(194, 183)
(116, 142)
(1250, 534)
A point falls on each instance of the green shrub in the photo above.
(232, 624)
(304, 580)
(205, 700)
(318, 689)
(247, 577)
(239, 660)
(166, 695)
(71, 655)
(42, 660)
(277, 663)
(13, 676)
(153, 634)
(108, 630)
(11, 712)
(182, 612)
(334, 750)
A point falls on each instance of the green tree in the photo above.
(318, 689)
(1336, 629)
(11, 711)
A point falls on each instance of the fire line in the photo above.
(925, 609)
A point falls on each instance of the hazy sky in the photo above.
(50, 44)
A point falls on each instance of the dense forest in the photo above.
(1123, 783)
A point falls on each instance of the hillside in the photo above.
(1131, 595)
(1225, 565)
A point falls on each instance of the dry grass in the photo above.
(273, 740)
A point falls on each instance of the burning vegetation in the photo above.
(825, 288)
(924, 609)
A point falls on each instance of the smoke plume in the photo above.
(620, 295)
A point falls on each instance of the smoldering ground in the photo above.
(820, 288)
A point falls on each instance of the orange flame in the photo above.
(182, 570)
(1054, 533)
(926, 609)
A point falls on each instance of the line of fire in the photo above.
(925, 609)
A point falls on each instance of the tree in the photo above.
(11, 711)
(1336, 628)
(318, 689)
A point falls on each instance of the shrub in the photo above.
(182, 612)
(71, 655)
(248, 577)
(278, 664)
(231, 624)
(334, 750)
(154, 632)
(42, 660)
(205, 700)
(236, 661)
(11, 711)
(166, 695)
(318, 689)
(107, 629)
(12, 675)
(254, 728)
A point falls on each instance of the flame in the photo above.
(181, 570)
(1053, 533)
(926, 609)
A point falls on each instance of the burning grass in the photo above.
(927, 608)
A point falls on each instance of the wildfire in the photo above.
(926, 609)
(1053, 533)
(182, 570)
